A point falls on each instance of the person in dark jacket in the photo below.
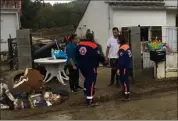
(88, 58)
(72, 64)
(90, 37)
(124, 64)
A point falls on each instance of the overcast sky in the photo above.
(57, 1)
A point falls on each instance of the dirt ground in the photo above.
(148, 106)
(162, 106)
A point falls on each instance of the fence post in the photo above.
(10, 53)
(136, 51)
(31, 44)
(24, 48)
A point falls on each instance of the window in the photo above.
(156, 31)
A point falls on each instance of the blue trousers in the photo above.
(89, 84)
(124, 75)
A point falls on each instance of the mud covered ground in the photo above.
(162, 106)
(148, 106)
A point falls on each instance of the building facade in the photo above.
(102, 16)
(10, 21)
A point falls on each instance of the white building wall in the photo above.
(96, 19)
(171, 17)
(9, 24)
(171, 3)
(100, 18)
(128, 18)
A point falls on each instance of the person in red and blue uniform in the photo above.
(124, 64)
(88, 58)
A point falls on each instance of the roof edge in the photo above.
(134, 1)
(83, 13)
(11, 9)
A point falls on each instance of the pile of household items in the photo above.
(28, 92)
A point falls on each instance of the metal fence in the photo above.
(12, 54)
(169, 36)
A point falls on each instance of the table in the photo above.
(54, 67)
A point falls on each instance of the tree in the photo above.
(38, 15)
(29, 11)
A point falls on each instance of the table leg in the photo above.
(46, 76)
(65, 76)
(60, 79)
(51, 76)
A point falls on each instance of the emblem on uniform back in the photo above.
(121, 53)
(83, 50)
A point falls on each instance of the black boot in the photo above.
(117, 81)
(110, 84)
(79, 87)
(126, 97)
(113, 73)
(93, 104)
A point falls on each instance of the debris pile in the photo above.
(39, 40)
(28, 92)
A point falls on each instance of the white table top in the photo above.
(49, 61)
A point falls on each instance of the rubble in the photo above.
(7, 100)
(37, 100)
(52, 98)
(39, 40)
(30, 81)
(4, 106)
(27, 92)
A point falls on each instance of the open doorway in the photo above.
(156, 32)
(144, 32)
(125, 31)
